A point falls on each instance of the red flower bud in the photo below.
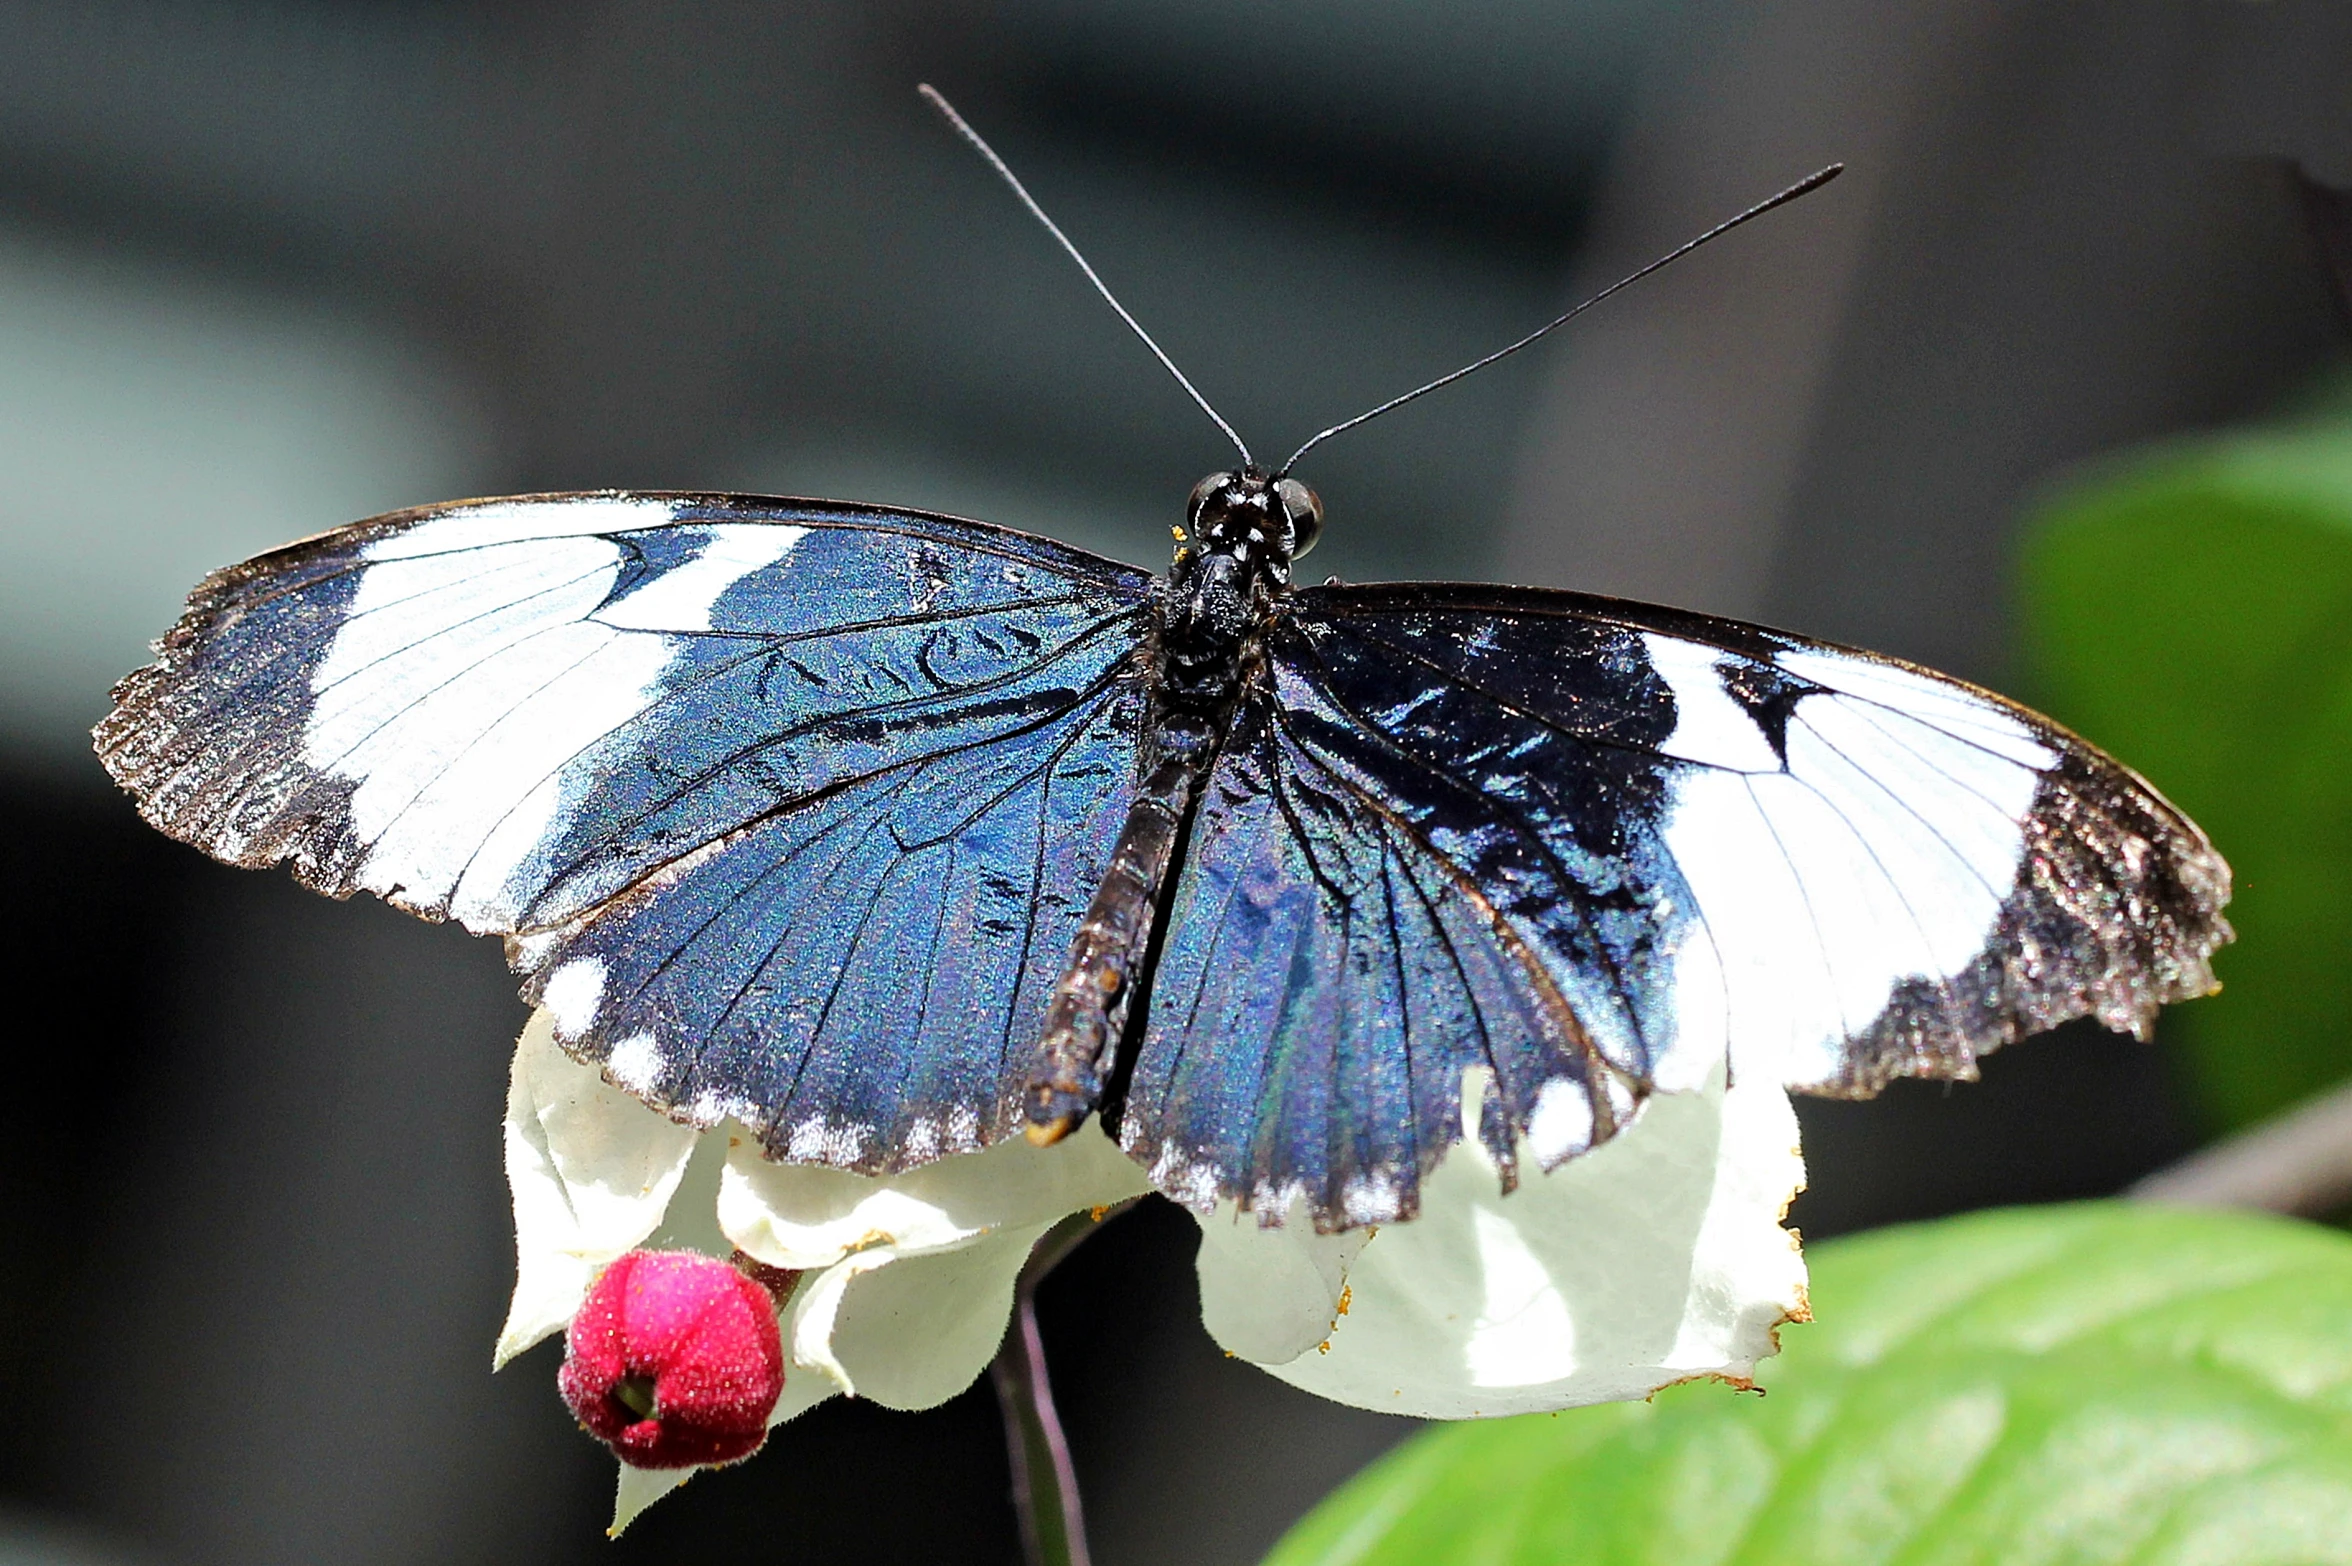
(673, 1360)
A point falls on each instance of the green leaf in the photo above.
(2088, 1384)
(2191, 611)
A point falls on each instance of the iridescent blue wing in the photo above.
(1324, 981)
(1599, 849)
(788, 809)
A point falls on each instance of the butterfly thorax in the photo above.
(1233, 555)
(1232, 564)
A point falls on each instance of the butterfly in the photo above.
(891, 835)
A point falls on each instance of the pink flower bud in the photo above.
(674, 1360)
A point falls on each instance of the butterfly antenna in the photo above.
(964, 129)
(1805, 186)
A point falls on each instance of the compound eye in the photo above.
(1306, 515)
(1201, 493)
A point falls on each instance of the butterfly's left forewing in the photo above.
(788, 809)
(1705, 841)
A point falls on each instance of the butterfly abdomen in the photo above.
(1109, 959)
(1203, 642)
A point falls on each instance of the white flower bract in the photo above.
(1655, 1258)
(807, 1215)
(1658, 1257)
(592, 1171)
(906, 1280)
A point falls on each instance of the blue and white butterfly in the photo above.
(891, 836)
(807, 813)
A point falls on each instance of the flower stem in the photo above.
(1045, 1485)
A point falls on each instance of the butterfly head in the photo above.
(1262, 523)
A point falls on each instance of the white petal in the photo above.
(1269, 1295)
(691, 1222)
(591, 1169)
(804, 1216)
(1656, 1258)
(640, 1488)
(910, 1331)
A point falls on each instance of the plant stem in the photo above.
(1045, 1485)
(2298, 1161)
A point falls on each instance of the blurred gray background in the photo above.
(269, 265)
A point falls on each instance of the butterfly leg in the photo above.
(1088, 1013)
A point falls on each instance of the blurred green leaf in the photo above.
(2192, 612)
(2099, 1383)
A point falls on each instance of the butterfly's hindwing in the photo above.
(1526, 754)
(1329, 975)
(832, 735)
(860, 976)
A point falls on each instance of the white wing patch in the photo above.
(468, 686)
(1880, 851)
(1709, 726)
(681, 598)
(1560, 1127)
(635, 1063)
(1944, 703)
(572, 994)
